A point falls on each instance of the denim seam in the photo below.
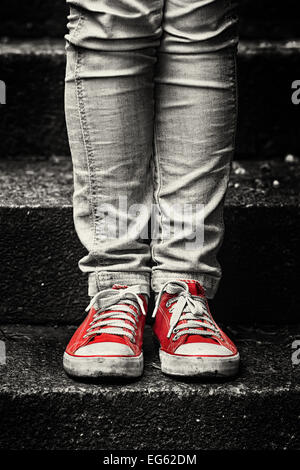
(188, 275)
(210, 283)
(234, 104)
(116, 274)
(158, 186)
(100, 277)
(78, 25)
(86, 140)
(236, 97)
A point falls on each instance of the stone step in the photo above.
(39, 250)
(42, 408)
(32, 122)
(39, 18)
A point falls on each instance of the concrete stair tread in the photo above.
(56, 46)
(38, 47)
(260, 405)
(34, 359)
(33, 183)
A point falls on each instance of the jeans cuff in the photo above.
(209, 283)
(105, 279)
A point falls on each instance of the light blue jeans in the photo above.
(150, 102)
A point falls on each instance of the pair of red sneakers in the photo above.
(109, 341)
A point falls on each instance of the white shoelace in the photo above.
(191, 308)
(111, 317)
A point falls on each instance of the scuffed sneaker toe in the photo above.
(109, 341)
(203, 349)
(191, 342)
(105, 349)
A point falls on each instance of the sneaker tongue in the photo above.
(119, 286)
(195, 287)
(107, 337)
(200, 339)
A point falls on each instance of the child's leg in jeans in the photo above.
(195, 124)
(194, 134)
(111, 52)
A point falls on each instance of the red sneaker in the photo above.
(109, 341)
(191, 343)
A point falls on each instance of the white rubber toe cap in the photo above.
(105, 349)
(203, 349)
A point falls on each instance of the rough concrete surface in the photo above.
(41, 408)
(40, 280)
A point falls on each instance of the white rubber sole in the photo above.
(172, 364)
(96, 366)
